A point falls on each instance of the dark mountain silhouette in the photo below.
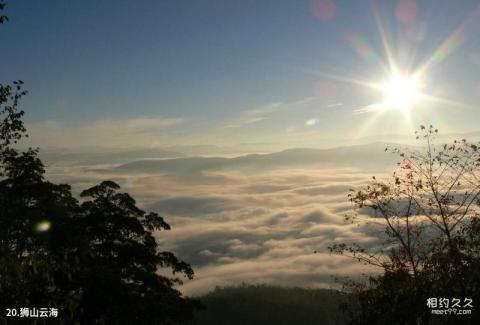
(271, 305)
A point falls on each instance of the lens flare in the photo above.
(406, 11)
(43, 226)
(312, 122)
(324, 10)
(361, 47)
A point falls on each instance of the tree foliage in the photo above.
(271, 305)
(2, 17)
(96, 260)
(429, 216)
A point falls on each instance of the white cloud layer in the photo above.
(250, 225)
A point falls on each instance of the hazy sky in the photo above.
(155, 73)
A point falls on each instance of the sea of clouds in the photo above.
(237, 223)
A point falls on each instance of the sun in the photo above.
(401, 92)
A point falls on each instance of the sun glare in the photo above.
(400, 92)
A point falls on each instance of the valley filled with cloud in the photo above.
(260, 218)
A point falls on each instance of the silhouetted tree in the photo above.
(97, 261)
(122, 260)
(2, 17)
(429, 216)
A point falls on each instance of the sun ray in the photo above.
(445, 49)
(367, 125)
(351, 80)
(448, 102)
(384, 39)
(454, 41)
(403, 87)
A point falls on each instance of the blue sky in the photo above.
(225, 72)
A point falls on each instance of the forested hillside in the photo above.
(262, 304)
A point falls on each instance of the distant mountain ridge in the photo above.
(95, 157)
(361, 156)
